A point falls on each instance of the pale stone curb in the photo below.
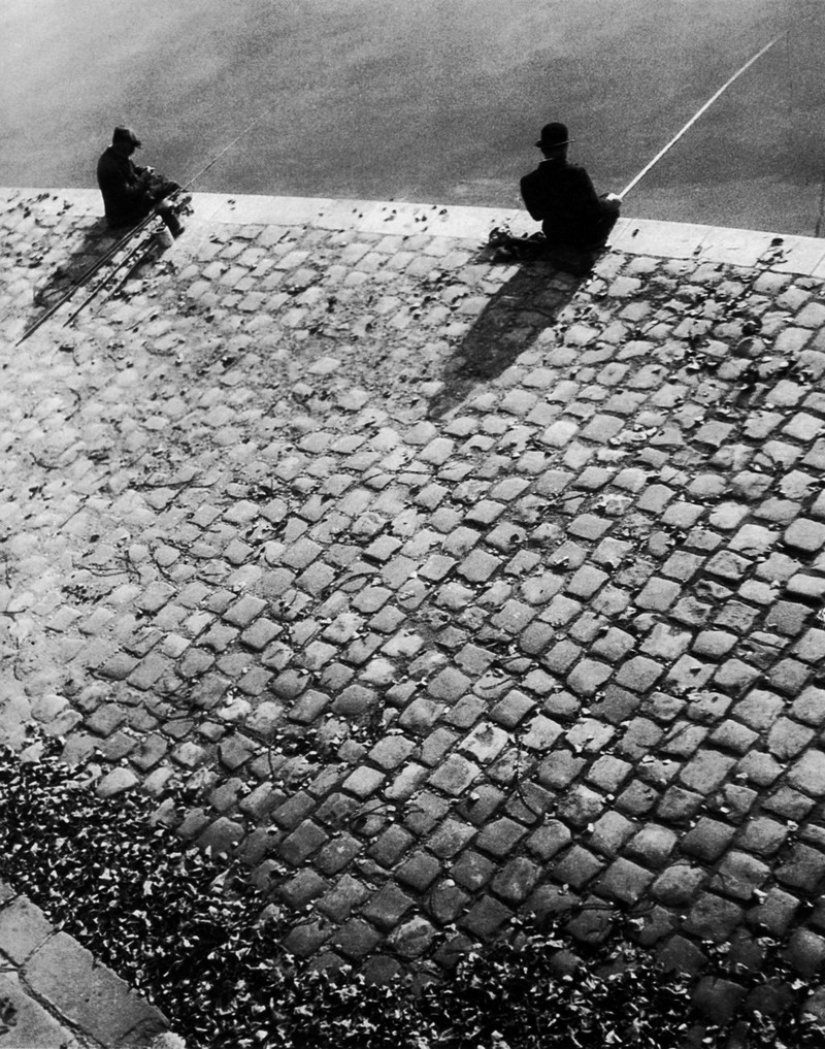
(55, 984)
(784, 253)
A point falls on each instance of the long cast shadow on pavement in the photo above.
(97, 240)
(523, 307)
(71, 275)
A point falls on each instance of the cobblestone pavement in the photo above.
(448, 589)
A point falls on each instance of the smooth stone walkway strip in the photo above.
(787, 253)
(54, 993)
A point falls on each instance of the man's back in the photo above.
(561, 197)
(121, 188)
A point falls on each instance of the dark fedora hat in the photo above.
(125, 134)
(552, 135)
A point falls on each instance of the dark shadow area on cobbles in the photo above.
(78, 272)
(524, 306)
(78, 279)
(97, 240)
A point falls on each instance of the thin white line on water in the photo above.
(696, 116)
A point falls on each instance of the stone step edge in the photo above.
(777, 252)
(64, 978)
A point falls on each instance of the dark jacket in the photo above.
(561, 197)
(124, 187)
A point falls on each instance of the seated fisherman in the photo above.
(130, 192)
(561, 196)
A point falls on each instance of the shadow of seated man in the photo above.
(130, 192)
(575, 221)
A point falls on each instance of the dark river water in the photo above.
(427, 100)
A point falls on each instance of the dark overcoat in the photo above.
(561, 197)
(124, 187)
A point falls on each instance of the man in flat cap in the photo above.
(130, 192)
(561, 196)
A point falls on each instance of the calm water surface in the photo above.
(426, 100)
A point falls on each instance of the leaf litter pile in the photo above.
(188, 932)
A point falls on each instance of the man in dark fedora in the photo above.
(561, 196)
(130, 192)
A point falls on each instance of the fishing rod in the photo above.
(147, 250)
(121, 244)
(140, 246)
(88, 274)
(147, 244)
(635, 181)
(226, 149)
